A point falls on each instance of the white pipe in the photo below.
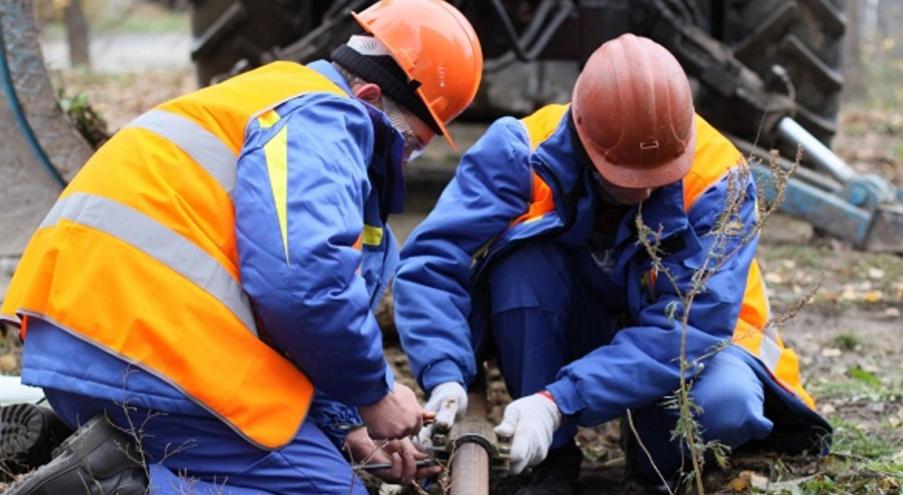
(815, 150)
(13, 392)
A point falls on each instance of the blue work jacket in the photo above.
(522, 182)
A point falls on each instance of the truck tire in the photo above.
(805, 37)
(226, 32)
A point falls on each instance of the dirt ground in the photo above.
(849, 338)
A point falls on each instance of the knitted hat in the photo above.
(367, 58)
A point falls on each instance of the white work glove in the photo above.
(449, 401)
(530, 422)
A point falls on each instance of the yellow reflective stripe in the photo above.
(543, 122)
(372, 236)
(268, 119)
(276, 153)
(713, 159)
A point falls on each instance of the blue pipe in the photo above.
(9, 92)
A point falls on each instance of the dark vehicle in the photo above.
(750, 58)
(767, 72)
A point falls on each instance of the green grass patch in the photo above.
(866, 377)
(847, 342)
(852, 438)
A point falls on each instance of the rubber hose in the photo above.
(15, 106)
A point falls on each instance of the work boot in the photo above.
(557, 475)
(97, 459)
(28, 435)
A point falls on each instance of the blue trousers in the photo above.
(546, 312)
(199, 454)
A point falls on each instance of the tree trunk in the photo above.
(852, 57)
(77, 34)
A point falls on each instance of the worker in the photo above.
(207, 281)
(533, 250)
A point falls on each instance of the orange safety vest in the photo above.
(138, 256)
(714, 157)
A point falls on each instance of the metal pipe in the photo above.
(470, 470)
(470, 460)
(793, 133)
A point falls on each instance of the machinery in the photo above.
(764, 71)
(767, 72)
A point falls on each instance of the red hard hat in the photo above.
(633, 110)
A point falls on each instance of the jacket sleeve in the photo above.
(490, 189)
(299, 198)
(334, 418)
(640, 365)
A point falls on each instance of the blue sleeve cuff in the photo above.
(441, 372)
(334, 418)
(566, 396)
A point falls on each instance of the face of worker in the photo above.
(621, 195)
(415, 132)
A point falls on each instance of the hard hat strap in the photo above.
(385, 72)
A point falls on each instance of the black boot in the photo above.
(557, 475)
(28, 435)
(97, 459)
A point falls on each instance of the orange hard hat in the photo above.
(436, 46)
(633, 110)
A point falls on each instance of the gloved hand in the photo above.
(530, 421)
(449, 401)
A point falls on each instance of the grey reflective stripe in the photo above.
(769, 353)
(199, 143)
(164, 245)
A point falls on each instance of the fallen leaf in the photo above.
(872, 296)
(8, 363)
(892, 312)
(758, 482)
(789, 264)
(889, 484)
(828, 409)
(831, 352)
(773, 278)
(740, 484)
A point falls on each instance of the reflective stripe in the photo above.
(268, 119)
(157, 241)
(199, 143)
(769, 353)
(276, 153)
(372, 236)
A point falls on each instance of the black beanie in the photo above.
(383, 71)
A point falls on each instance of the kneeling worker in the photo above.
(218, 260)
(533, 247)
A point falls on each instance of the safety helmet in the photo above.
(633, 110)
(435, 46)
